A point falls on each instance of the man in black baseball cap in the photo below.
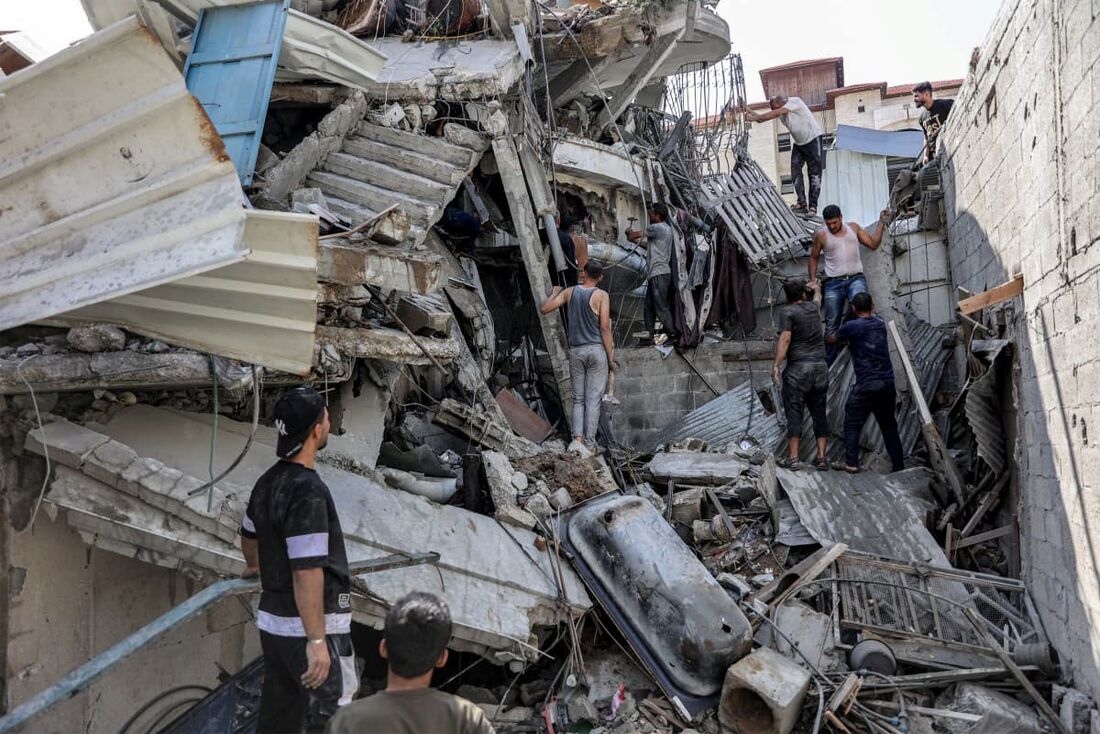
(291, 537)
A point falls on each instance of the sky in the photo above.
(881, 40)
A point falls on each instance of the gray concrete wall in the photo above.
(69, 602)
(656, 391)
(1021, 157)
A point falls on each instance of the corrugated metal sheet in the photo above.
(899, 143)
(873, 513)
(984, 411)
(725, 419)
(112, 178)
(856, 182)
(761, 223)
(312, 48)
(231, 68)
(262, 310)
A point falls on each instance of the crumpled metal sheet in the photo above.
(727, 418)
(984, 411)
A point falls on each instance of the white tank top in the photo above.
(842, 253)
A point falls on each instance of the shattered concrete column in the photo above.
(360, 411)
(534, 259)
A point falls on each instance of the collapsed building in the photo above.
(220, 200)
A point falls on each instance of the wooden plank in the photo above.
(993, 296)
(534, 261)
(989, 501)
(983, 537)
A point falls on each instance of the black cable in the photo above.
(157, 699)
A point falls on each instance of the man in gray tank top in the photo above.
(590, 350)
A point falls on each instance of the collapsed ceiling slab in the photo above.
(127, 491)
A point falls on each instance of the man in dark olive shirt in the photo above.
(806, 378)
(414, 642)
(291, 537)
(873, 392)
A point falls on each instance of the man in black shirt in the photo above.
(806, 378)
(932, 119)
(291, 537)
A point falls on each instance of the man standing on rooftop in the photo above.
(932, 119)
(807, 146)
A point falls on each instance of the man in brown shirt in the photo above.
(414, 641)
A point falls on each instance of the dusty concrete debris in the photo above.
(578, 477)
(996, 711)
(763, 693)
(97, 338)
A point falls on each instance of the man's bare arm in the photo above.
(250, 549)
(605, 329)
(752, 116)
(815, 254)
(871, 241)
(557, 299)
(309, 597)
(781, 347)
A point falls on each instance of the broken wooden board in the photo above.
(993, 296)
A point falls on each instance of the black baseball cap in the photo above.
(296, 413)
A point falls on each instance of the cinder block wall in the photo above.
(1021, 182)
(656, 390)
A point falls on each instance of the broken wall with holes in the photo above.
(1020, 176)
(68, 602)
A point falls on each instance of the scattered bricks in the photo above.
(108, 462)
(763, 693)
(97, 338)
(67, 442)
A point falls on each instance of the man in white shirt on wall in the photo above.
(807, 147)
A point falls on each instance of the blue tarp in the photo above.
(899, 143)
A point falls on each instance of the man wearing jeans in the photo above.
(588, 329)
(873, 393)
(840, 241)
(807, 146)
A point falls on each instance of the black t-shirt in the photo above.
(807, 339)
(870, 347)
(933, 119)
(292, 515)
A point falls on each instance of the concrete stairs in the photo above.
(379, 166)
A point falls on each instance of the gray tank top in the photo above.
(584, 325)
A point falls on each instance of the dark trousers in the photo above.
(812, 155)
(875, 399)
(658, 304)
(285, 704)
(806, 385)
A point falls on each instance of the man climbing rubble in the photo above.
(414, 643)
(291, 538)
(807, 146)
(873, 393)
(805, 381)
(840, 241)
(591, 351)
(658, 294)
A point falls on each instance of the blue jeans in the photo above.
(835, 294)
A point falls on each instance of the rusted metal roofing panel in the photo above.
(112, 179)
(761, 223)
(262, 310)
(727, 418)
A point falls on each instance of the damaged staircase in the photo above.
(378, 167)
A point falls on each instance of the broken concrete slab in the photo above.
(344, 262)
(999, 713)
(387, 345)
(67, 443)
(763, 693)
(483, 430)
(424, 313)
(481, 568)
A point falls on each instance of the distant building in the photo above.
(820, 84)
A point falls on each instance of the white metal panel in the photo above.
(112, 178)
(856, 182)
(262, 310)
(923, 273)
(312, 48)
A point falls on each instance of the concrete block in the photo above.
(539, 506)
(498, 474)
(513, 515)
(561, 499)
(108, 462)
(67, 442)
(763, 693)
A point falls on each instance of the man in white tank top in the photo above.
(840, 242)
